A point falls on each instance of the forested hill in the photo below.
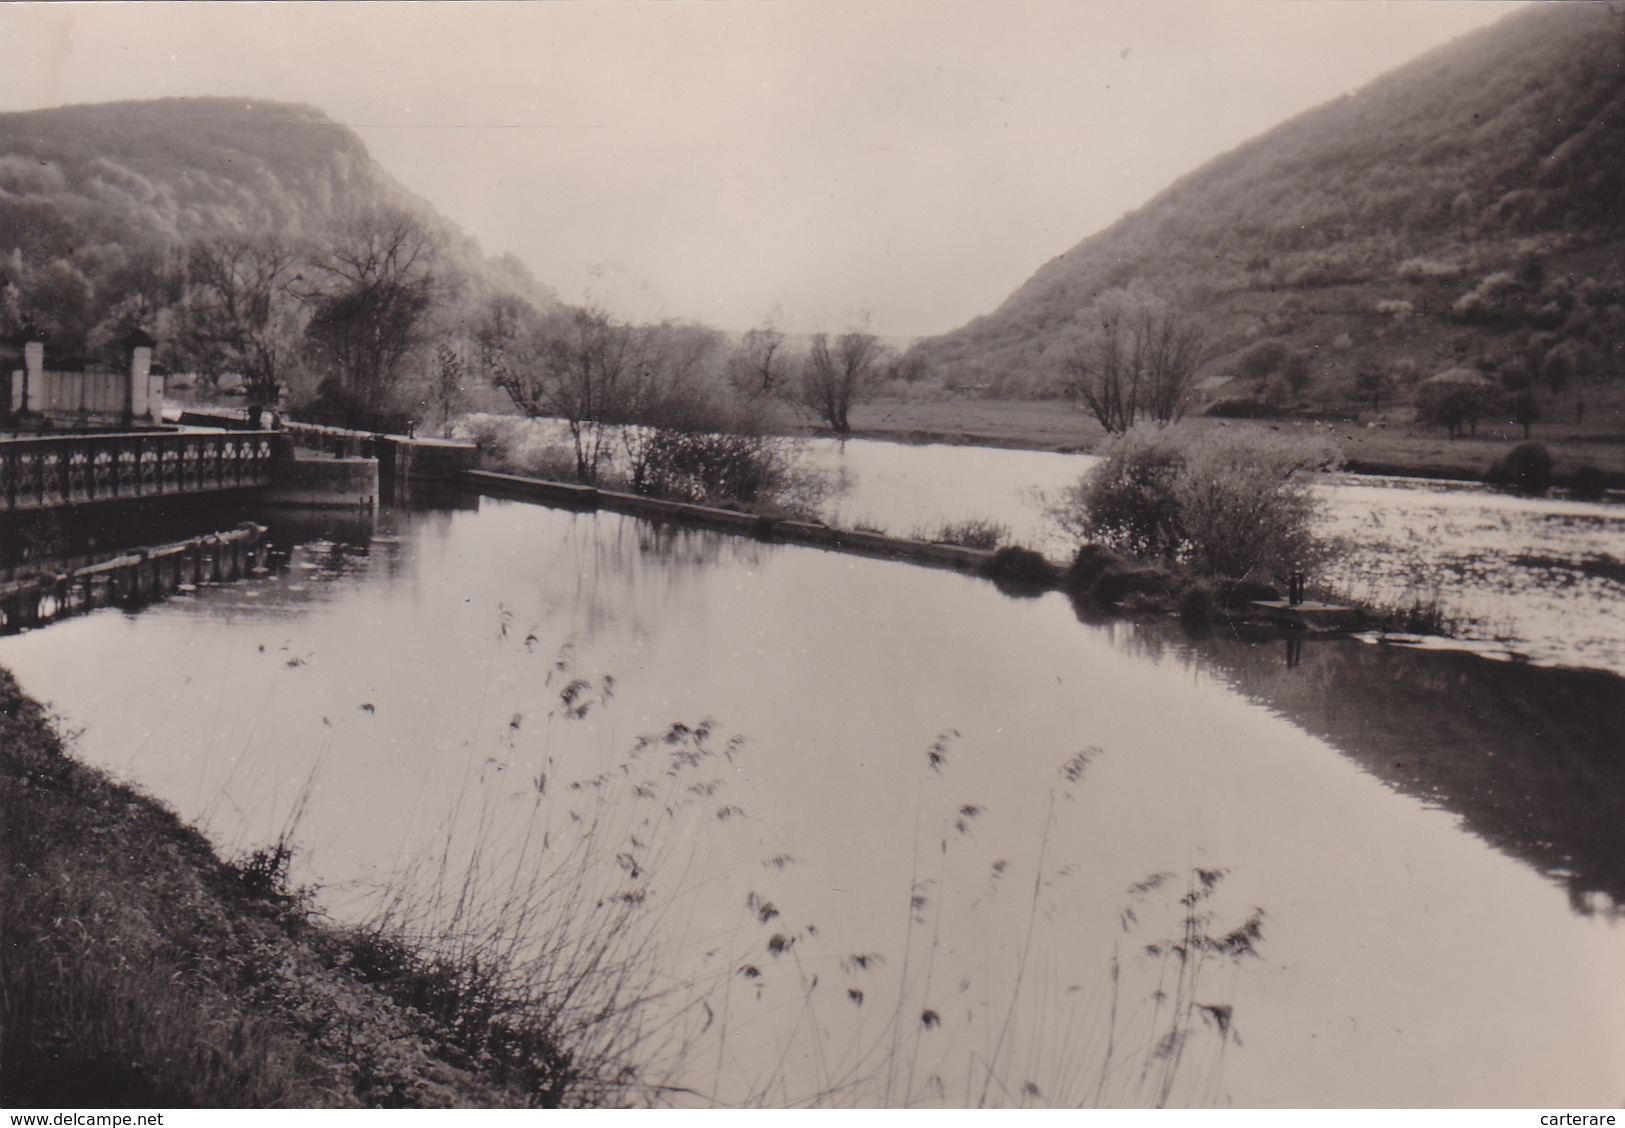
(100, 206)
(84, 178)
(1464, 204)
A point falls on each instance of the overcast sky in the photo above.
(821, 161)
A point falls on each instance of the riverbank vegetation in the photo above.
(524, 965)
(505, 970)
(139, 969)
(1224, 506)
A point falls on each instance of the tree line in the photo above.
(374, 324)
(649, 396)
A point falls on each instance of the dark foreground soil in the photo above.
(139, 970)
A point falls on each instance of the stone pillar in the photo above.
(33, 371)
(137, 394)
(140, 370)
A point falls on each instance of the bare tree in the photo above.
(1140, 360)
(671, 386)
(1173, 347)
(376, 290)
(572, 364)
(761, 363)
(241, 313)
(450, 370)
(1102, 371)
(836, 375)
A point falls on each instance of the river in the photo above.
(1524, 577)
(896, 838)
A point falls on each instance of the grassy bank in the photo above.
(138, 969)
(1392, 448)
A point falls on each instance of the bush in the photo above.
(975, 532)
(1588, 482)
(1091, 560)
(1130, 501)
(490, 434)
(1262, 360)
(1199, 606)
(1222, 504)
(707, 468)
(1020, 571)
(1526, 468)
(1141, 584)
(513, 445)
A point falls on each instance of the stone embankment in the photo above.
(777, 529)
(1028, 576)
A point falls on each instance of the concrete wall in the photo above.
(324, 482)
(428, 460)
(747, 524)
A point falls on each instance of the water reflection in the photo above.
(1530, 572)
(970, 787)
(1532, 760)
(63, 539)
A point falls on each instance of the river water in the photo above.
(1531, 579)
(1539, 578)
(898, 838)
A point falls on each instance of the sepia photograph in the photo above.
(834, 554)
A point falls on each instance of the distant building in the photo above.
(76, 396)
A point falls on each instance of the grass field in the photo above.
(1366, 444)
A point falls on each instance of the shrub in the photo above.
(1423, 615)
(1129, 501)
(1020, 571)
(707, 468)
(1199, 606)
(1587, 481)
(1262, 360)
(1223, 504)
(975, 532)
(1498, 298)
(514, 445)
(490, 433)
(1140, 583)
(1091, 560)
(1526, 468)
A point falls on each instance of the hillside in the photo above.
(1468, 208)
(103, 209)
